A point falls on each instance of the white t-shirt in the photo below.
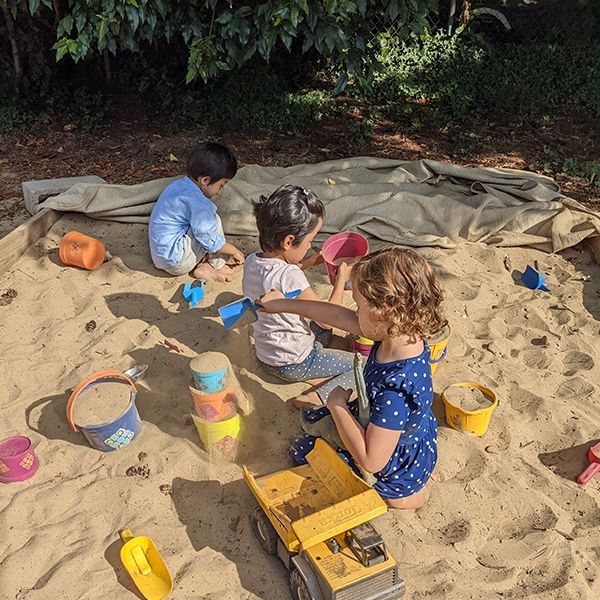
(284, 338)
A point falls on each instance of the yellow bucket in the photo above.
(474, 422)
(220, 437)
(437, 347)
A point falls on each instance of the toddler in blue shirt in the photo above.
(185, 230)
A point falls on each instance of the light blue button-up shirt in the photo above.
(182, 208)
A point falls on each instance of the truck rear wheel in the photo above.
(264, 531)
(298, 586)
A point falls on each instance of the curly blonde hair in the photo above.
(401, 290)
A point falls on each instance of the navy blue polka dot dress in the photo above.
(401, 394)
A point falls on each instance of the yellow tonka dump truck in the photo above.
(316, 519)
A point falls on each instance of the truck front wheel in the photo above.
(265, 532)
(298, 586)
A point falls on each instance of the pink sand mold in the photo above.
(18, 461)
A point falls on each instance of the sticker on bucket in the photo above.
(120, 438)
(27, 461)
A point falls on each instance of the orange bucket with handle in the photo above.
(79, 250)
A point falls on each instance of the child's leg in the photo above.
(208, 266)
(205, 270)
(410, 502)
(325, 368)
(300, 447)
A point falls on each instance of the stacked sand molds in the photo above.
(217, 399)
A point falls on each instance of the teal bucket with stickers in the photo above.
(120, 431)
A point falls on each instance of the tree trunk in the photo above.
(12, 36)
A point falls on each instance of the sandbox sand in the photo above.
(507, 519)
(468, 398)
(101, 403)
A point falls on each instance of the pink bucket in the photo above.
(361, 345)
(17, 459)
(348, 246)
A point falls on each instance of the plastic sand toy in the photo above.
(534, 280)
(194, 294)
(475, 421)
(315, 518)
(18, 461)
(594, 466)
(231, 313)
(145, 566)
(346, 246)
(79, 250)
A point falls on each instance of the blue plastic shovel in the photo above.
(231, 313)
(194, 294)
(534, 280)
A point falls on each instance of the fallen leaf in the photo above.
(172, 346)
(331, 181)
(172, 158)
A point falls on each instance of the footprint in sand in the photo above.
(508, 553)
(456, 532)
(537, 359)
(525, 402)
(575, 388)
(577, 361)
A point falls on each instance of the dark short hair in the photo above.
(213, 160)
(289, 210)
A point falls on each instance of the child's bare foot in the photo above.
(308, 400)
(231, 268)
(205, 271)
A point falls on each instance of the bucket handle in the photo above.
(440, 358)
(89, 380)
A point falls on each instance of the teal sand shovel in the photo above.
(231, 313)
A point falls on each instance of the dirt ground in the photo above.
(132, 149)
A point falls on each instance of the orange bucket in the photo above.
(79, 250)
(214, 407)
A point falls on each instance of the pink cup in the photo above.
(357, 346)
(346, 245)
(17, 459)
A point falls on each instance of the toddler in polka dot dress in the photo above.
(399, 304)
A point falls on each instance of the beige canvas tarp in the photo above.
(415, 203)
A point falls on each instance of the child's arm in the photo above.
(322, 312)
(235, 253)
(337, 294)
(312, 261)
(208, 231)
(371, 448)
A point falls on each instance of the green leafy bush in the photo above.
(249, 99)
(465, 74)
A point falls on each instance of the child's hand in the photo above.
(343, 274)
(238, 256)
(313, 261)
(263, 301)
(339, 397)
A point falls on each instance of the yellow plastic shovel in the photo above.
(145, 565)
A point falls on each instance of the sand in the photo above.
(468, 398)
(101, 403)
(207, 362)
(349, 260)
(506, 519)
